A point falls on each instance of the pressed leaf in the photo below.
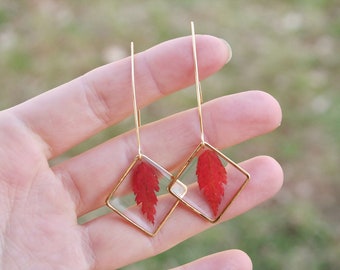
(211, 178)
(145, 185)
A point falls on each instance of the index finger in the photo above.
(67, 115)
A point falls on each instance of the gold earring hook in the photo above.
(197, 83)
(136, 111)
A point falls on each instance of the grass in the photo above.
(286, 48)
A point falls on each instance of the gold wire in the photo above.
(202, 145)
(197, 82)
(140, 157)
(136, 111)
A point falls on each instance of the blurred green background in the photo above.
(288, 48)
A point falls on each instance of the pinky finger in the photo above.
(230, 259)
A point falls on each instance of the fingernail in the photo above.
(230, 52)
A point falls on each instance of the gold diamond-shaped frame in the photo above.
(133, 213)
(187, 202)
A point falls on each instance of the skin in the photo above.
(39, 204)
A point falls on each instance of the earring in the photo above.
(141, 196)
(213, 180)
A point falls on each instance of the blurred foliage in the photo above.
(288, 48)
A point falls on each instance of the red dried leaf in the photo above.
(211, 178)
(144, 186)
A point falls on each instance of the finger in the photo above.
(228, 120)
(105, 232)
(230, 259)
(77, 110)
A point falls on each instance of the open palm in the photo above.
(40, 204)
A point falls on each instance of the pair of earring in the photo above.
(208, 183)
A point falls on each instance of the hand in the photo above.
(39, 204)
